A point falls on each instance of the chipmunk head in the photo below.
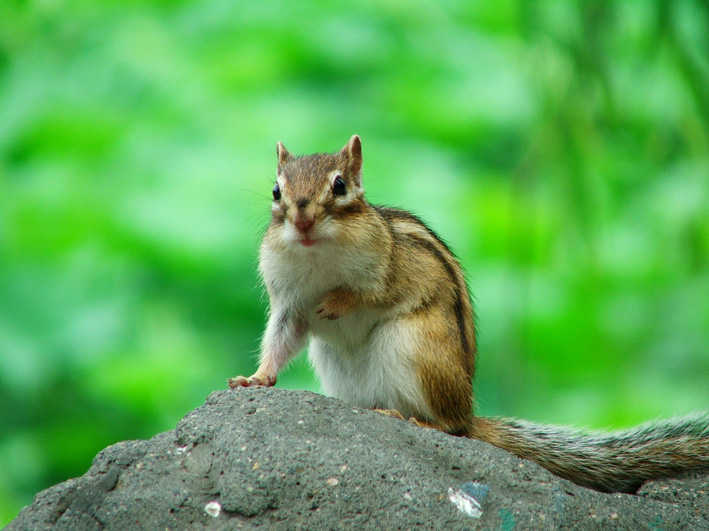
(315, 193)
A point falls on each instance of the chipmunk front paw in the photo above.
(252, 381)
(335, 304)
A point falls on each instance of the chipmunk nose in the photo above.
(304, 225)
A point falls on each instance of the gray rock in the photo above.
(277, 459)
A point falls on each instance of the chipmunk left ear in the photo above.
(283, 154)
(353, 152)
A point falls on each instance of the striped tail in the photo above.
(619, 461)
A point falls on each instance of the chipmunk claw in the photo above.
(335, 304)
(413, 420)
(252, 381)
(422, 423)
(391, 413)
(324, 313)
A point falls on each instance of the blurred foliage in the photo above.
(562, 148)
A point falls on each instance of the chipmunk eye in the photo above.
(276, 193)
(338, 187)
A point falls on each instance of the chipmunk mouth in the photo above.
(316, 235)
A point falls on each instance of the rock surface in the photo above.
(276, 459)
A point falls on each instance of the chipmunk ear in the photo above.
(283, 154)
(353, 153)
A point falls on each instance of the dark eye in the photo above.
(338, 187)
(276, 193)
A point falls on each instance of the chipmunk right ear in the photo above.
(283, 154)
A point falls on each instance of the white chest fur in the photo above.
(365, 357)
(299, 278)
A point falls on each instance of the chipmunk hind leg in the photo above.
(449, 395)
(445, 382)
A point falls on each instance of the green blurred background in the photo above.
(561, 148)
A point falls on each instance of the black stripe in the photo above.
(354, 208)
(458, 306)
(390, 227)
(278, 217)
(389, 214)
(338, 211)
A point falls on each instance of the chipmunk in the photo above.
(387, 309)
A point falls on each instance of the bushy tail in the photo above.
(618, 461)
